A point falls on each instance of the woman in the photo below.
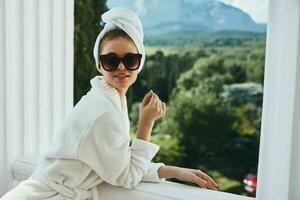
(93, 144)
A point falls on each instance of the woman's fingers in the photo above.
(202, 183)
(147, 97)
(157, 106)
(161, 108)
(156, 103)
(207, 184)
(164, 108)
(153, 99)
(211, 184)
(206, 177)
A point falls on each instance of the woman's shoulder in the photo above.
(88, 111)
(94, 102)
(92, 106)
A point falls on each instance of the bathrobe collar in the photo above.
(98, 83)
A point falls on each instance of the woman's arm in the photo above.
(190, 175)
(151, 109)
(144, 129)
(105, 149)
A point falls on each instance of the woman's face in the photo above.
(120, 46)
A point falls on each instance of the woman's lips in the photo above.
(122, 77)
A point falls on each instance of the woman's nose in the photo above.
(121, 66)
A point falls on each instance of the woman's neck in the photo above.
(122, 93)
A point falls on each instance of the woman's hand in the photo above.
(151, 109)
(196, 176)
(186, 174)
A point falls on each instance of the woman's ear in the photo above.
(100, 68)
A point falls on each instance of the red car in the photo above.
(249, 183)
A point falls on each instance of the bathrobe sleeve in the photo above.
(105, 148)
(152, 175)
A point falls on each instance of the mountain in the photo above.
(164, 16)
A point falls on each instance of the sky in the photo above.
(257, 9)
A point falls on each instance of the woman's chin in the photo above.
(122, 85)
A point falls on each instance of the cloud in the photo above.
(257, 9)
(140, 8)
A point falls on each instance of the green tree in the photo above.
(204, 121)
(160, 74)
(246, 101)
(87, 26)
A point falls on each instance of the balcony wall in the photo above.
(24, 166)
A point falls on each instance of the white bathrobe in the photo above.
(91, 147)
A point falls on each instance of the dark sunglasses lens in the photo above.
(109, 62)
(132, 61)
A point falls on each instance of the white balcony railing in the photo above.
(24, 166)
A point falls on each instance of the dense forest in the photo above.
(212, 84)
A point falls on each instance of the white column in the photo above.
(58, 68)
(295, 159)
(14, 80)
(69, 50)
(3, 156)
(45, 60)
(31, 83)
(36, 77)
(278, 173)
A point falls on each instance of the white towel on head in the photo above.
(127, 21)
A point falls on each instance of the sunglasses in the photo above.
(111, 61)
